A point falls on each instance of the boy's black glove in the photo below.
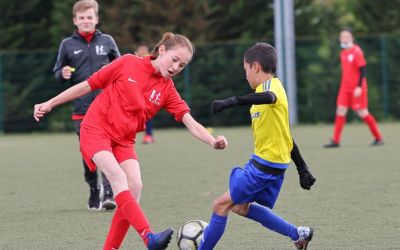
(220, 105)
(306, 178)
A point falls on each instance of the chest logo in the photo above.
(131, 80)
(100, 50)
(350, 57)
(76, 52)
(155, 97)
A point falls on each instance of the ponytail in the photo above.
(171, 40)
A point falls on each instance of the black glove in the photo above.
(306, 178)
(220, 105)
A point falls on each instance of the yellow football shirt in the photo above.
(270, 124)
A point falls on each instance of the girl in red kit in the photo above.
(353, 91)
(134, 90)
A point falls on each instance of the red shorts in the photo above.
(93, 140)
(346, 98)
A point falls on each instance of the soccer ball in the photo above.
(190, 234)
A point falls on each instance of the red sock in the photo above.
(119, 228)
(339, 124)
(373, 126)
(132, 213)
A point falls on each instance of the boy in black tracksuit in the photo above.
(79, 56)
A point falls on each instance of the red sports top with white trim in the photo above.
(351, 59)
(132, 94)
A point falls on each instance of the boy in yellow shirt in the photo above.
(253, 189)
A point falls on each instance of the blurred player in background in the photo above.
(353, 92)
(254, 189)
(142, 51)
(134, 90)
(79, 56)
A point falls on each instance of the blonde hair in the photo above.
(171, 40)
(84, 5)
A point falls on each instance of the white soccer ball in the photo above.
(190, 234)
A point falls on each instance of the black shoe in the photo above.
(159, 241)
(377, 143)
(332, 144)
(108, 200)
(94, 202)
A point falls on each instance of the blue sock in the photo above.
(213, 232)
(272, 221)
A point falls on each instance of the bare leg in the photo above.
(131, 169)
(128, 209)
(216, 228)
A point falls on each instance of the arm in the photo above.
(201, 133)
(358, 89)
(114, 53)
(363, 73)
(69, 94)
(360, 63)
(305, 176)
(267, 97)
(61, 62)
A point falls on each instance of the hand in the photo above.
(66, 72)
(39, 110)
(220, 142)
(357, 92)
(306, 179)
(220, 105)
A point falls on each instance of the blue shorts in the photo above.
(250, 184)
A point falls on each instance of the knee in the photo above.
(217, 207)
(341, 111)
(135, 187)
(241, 210)
(220, 208)
(362, 113)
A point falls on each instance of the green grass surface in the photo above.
(353, 205)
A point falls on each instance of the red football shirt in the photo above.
(132, 94)
(351, 59)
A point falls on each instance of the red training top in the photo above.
(132, 94)
(352, 60)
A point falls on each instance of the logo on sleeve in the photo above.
(155, 97)
(255, 115)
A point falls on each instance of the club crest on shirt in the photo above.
(155, 97)
(350, 57)
(100, 51)
(255, 115)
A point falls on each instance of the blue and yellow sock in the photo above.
(272, 221)
(213, 232)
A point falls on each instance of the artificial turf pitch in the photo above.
(353, 205)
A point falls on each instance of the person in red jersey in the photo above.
(134, 89)
(353, 92)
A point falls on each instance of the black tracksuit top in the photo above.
(86, 58)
